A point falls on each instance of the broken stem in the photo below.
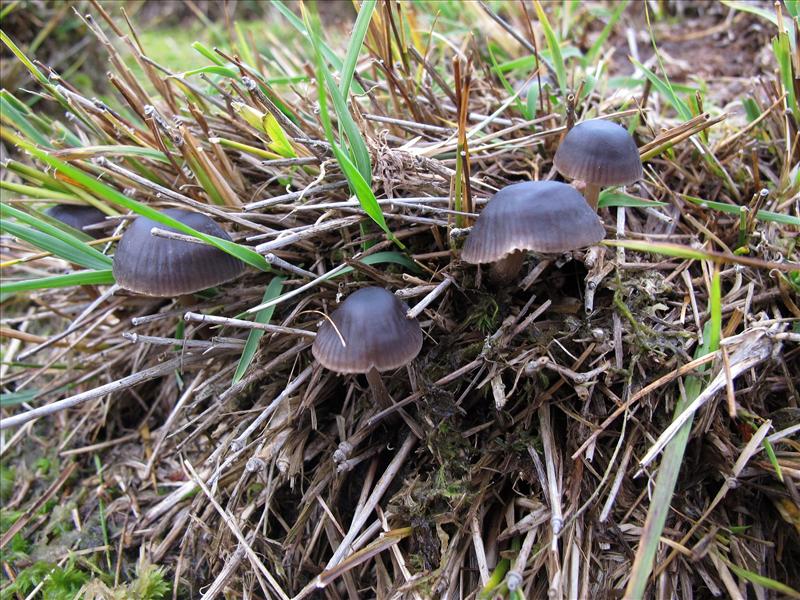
(379, 392)
(592, 195)
(507, 268)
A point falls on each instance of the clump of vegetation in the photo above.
(620, 419)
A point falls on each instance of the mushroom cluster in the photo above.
(371, 331)
(548, 217)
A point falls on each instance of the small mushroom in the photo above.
(165, 268)
(78, 217)
(368, 333)
(599, 153)
(546, 217)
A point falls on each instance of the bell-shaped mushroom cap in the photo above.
(542, 216)
(376, 332)
(162, 267)
(599, 152)
(78, 217)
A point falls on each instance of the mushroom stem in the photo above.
(505, 269)
(185, 300)
(592, 195)
(379, 392)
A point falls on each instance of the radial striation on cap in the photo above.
(163, 267)
(78, 217)
(599, 152)
(541, 216)
(376, 332)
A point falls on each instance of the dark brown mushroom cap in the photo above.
(542, 216)
(78, 217)
(162, 267)
(599, 152)
(376, 332)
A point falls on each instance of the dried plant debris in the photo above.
(617, 421)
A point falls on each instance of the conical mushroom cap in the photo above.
(376, 332)
(78, 217)
(162, 267)
(541, 216)
(599, 152)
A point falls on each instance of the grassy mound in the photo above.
(620, 421)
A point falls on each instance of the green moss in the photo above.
(59, 583)
(7, 478)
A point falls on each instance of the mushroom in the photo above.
(368, 333)
(78, 217)
(599, 153)
(162, 267)
(547, 217)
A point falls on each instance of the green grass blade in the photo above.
(751, 109)
(220, 70)
(354, 47)
(94, 277)
(329, 54)
(591, 55)
(387, 257)
(773, 459)
(14, 398)
(40, 77)
(63, 227)
(357, 145)
(609, 198)
(666, 89)
(355, 178)
(224, 71)
(762, 215)
(713, 337)
(199, 47)
(635, 82)
(9, 8)
(781, 48)
(121, 150)
(111, 195)
(762, 581)
(672, 457)
(37, 192)
(553, 45)
(364, 193)
(48, 243)
(40, 178)
(254, 337)
(280, 142)
(244, 47)
(12, 116)
(523, 109)
(52, 239)
(496, 578)
(681, 251)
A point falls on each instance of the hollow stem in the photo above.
(379, 392)
(507, 268)
(592, 195)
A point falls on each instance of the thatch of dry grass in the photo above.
(532, 448)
